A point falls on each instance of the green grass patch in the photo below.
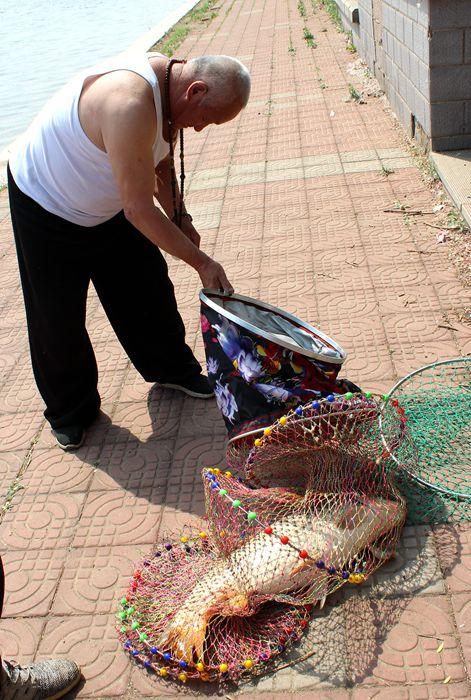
(386, 172)
(330, 6)
(350, 45)
(13, 489)
(302, 8)
(455, 221)
(169, 43)
(309, 38)
(354, 94)
(291, 48)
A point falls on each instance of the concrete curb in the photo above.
(454, 170)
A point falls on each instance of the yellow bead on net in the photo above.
(228, 474)
(199, 666)
(184, 539)
(216, 471)
(163, 672)
(283, 420)
(248, 663)
(182, 677)
(257, 442)
(267, 431)
(223, 668)
(203, 535)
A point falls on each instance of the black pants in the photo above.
(57, 260)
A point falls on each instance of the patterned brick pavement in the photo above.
(290, 198)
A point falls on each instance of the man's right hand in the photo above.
(213, 276)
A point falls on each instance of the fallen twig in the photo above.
(442, 228)
(411, 212)
(448, 328)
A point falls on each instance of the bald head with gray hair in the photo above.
(228, 80)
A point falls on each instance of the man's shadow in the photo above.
(180, 436)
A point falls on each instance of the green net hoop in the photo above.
(437, 403)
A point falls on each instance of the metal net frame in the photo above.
(316, 508)
(436, 400)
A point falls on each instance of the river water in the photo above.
(45, 42)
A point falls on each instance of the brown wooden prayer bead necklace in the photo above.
(178, 212)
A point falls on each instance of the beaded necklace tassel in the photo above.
(177, 211)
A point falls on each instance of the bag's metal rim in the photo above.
(268, 336)
(418, 479)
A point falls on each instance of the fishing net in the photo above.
(316, 508)
(437, 403)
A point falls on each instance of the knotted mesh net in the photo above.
(436, 400)
(316, 507)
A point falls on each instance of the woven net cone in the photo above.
(316, 508)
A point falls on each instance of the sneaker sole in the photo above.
(71, 448)
(183, 389)
(70, 687)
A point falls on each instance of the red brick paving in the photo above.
(290, 198)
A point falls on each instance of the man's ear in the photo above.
(196, 90)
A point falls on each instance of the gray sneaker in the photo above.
(46, 679)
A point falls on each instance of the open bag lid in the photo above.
(275, 325)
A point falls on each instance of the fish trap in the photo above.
(436, 400)
(233, 645)
(318, 508)
(330, 454)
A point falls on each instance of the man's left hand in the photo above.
(189, 230)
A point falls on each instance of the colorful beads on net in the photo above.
(315, 406)
(140, 646)
(268, 530)
(165, 666)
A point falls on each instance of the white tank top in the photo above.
(55, 163)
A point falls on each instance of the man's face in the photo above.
(199, 113)
(205, 115)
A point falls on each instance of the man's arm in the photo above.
(163, 187)
(128, 131)
(164, 195)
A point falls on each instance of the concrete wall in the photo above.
(450, 74)
(366, 45)
(350, 18)
(394, 44)
(420, 52)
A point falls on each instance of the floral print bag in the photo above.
(263, 361)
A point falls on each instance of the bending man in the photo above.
(81, 186)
